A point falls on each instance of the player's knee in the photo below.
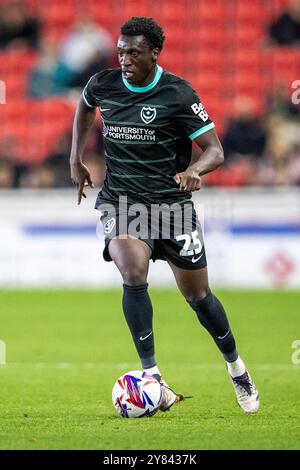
(197, 296)
(134, 275)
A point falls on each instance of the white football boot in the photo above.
(169, 398)
(246, 393)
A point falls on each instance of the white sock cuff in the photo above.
(236, 368)
(152, 370)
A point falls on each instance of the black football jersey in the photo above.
(148, 133)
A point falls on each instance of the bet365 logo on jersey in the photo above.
(198, 109)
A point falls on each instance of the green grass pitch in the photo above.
(65, 349)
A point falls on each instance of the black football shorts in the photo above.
(173, 232)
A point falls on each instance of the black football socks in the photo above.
(212, 316)
(138, 312)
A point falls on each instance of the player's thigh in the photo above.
(131, 257)
(192, 283)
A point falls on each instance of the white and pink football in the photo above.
(136, 395)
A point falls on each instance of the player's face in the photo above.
(137, 59)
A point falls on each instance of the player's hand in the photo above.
(189, 180)
(80, 175)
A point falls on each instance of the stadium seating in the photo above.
(221, 47)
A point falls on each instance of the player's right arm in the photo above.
(83, 121)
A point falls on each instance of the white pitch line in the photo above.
(2, 353)
(136, 366)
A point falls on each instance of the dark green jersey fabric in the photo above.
(148, 134)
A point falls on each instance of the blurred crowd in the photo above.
(261, 147)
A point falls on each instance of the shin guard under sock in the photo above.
(138, 312)
(212, 316)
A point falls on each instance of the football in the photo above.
(136, 395)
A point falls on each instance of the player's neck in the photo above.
(149, 79)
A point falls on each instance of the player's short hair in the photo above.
(141, 25)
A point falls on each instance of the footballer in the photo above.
(150, 119)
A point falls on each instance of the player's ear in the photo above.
(155, 54)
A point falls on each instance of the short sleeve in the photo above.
(191, 114)
(88, 93)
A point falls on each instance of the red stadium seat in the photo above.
(16, 61)
(278, 7)
(245, 35)
(256, 11)
(58, 12)
(36, 125)
(15, 85)
(210, 13)
(133, 8)
(102, 15)
(247, 83)
(206, 60)
(208, 84)
(171, 61)
(284, 65)
(213, 104)
(175, 38)
(208, 37)
(245, 59)
(285, 58)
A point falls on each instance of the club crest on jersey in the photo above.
(148, 114)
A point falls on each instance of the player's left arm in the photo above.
(211, 158)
